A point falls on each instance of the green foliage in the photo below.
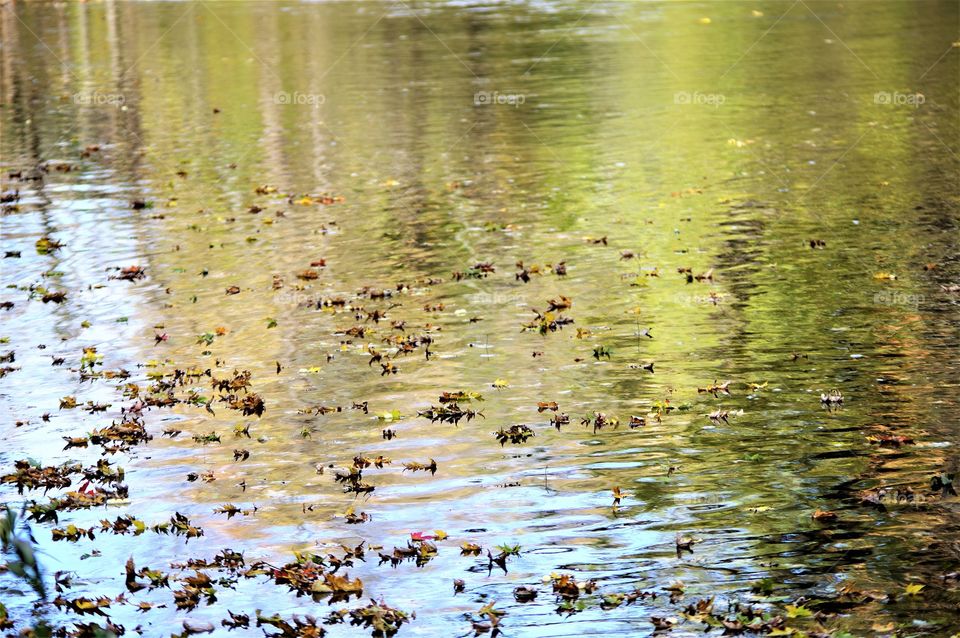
(26, 565)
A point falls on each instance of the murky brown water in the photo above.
(501, 133)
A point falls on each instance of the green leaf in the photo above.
(16, 567)
(764, 586)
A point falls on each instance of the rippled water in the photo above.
(721, 137)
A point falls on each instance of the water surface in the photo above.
(719, 137)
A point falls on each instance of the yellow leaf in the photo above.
(797, 611)
(913, 589)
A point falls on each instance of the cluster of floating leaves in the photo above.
(315, 575)
(32, 477)
(449, 413)
(515, 434)
(419, 551)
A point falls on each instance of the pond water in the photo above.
(798, 158)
